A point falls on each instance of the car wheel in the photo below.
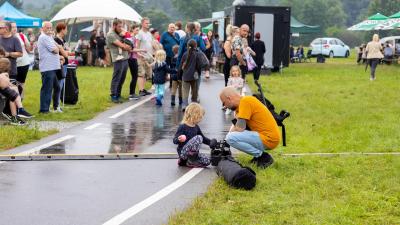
(331, 54)
(347, 54)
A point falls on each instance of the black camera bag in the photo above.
(235, 174)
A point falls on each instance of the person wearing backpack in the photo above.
(193, 62)
(190, 34)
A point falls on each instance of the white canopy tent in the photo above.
(89, 10)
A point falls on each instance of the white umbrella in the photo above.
(89, 10)
(392, 23)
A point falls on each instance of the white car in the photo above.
(331, 47)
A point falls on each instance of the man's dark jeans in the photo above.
(118, 78)
(49, 82)
(94, 56)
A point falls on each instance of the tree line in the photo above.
(333, 16)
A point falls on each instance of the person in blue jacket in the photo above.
(190, 34)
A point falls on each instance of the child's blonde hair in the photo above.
(237, 68)
(160, 56)
(193, 113)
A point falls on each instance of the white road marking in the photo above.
(125, 215)
(116, 115)
(91, 127)
(40, 147)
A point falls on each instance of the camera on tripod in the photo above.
(219, 150)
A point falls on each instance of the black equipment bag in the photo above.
(235, 174)
(71, 87)
(320, 59)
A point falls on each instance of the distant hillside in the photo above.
(38, 4)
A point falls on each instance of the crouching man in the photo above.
(255, 129)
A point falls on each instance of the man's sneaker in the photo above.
(17, 122)
(142, 93)
(134, 97)
(147, 93)
(22, 113)
(6, 116)
(265, 160)
(115, 99)
(58, 110)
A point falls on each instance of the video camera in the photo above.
(219, 150)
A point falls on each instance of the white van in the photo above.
(394, 41)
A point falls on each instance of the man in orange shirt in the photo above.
(255, 129)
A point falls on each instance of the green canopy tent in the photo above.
(369, 24)
(298, 27)
(207, 28)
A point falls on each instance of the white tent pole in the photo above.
(70, 33)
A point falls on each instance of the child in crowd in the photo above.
(160, 75)
(193, 62)
(11, 92)
(176, 82)
(189, 138)
(236, 81)
(125, 38)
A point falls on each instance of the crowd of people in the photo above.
(180, 56)
(374, 53)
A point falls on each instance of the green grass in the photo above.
(94, 89)
(12, 136)
(338, 190)
(334, 108)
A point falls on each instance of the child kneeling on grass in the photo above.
(189, 138)
(160, 71)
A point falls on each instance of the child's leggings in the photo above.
(191, 151)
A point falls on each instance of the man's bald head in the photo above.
(47, 27)
(171, 28)
(244, 30)
(230, 98)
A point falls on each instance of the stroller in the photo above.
(279, 118)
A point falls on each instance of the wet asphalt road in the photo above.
(92, 192)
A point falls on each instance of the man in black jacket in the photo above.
(259, 48)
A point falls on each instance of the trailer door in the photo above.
(264, 23)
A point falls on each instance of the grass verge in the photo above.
(309, 190)
(12, 136)
(334, 108)
(94, 86)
